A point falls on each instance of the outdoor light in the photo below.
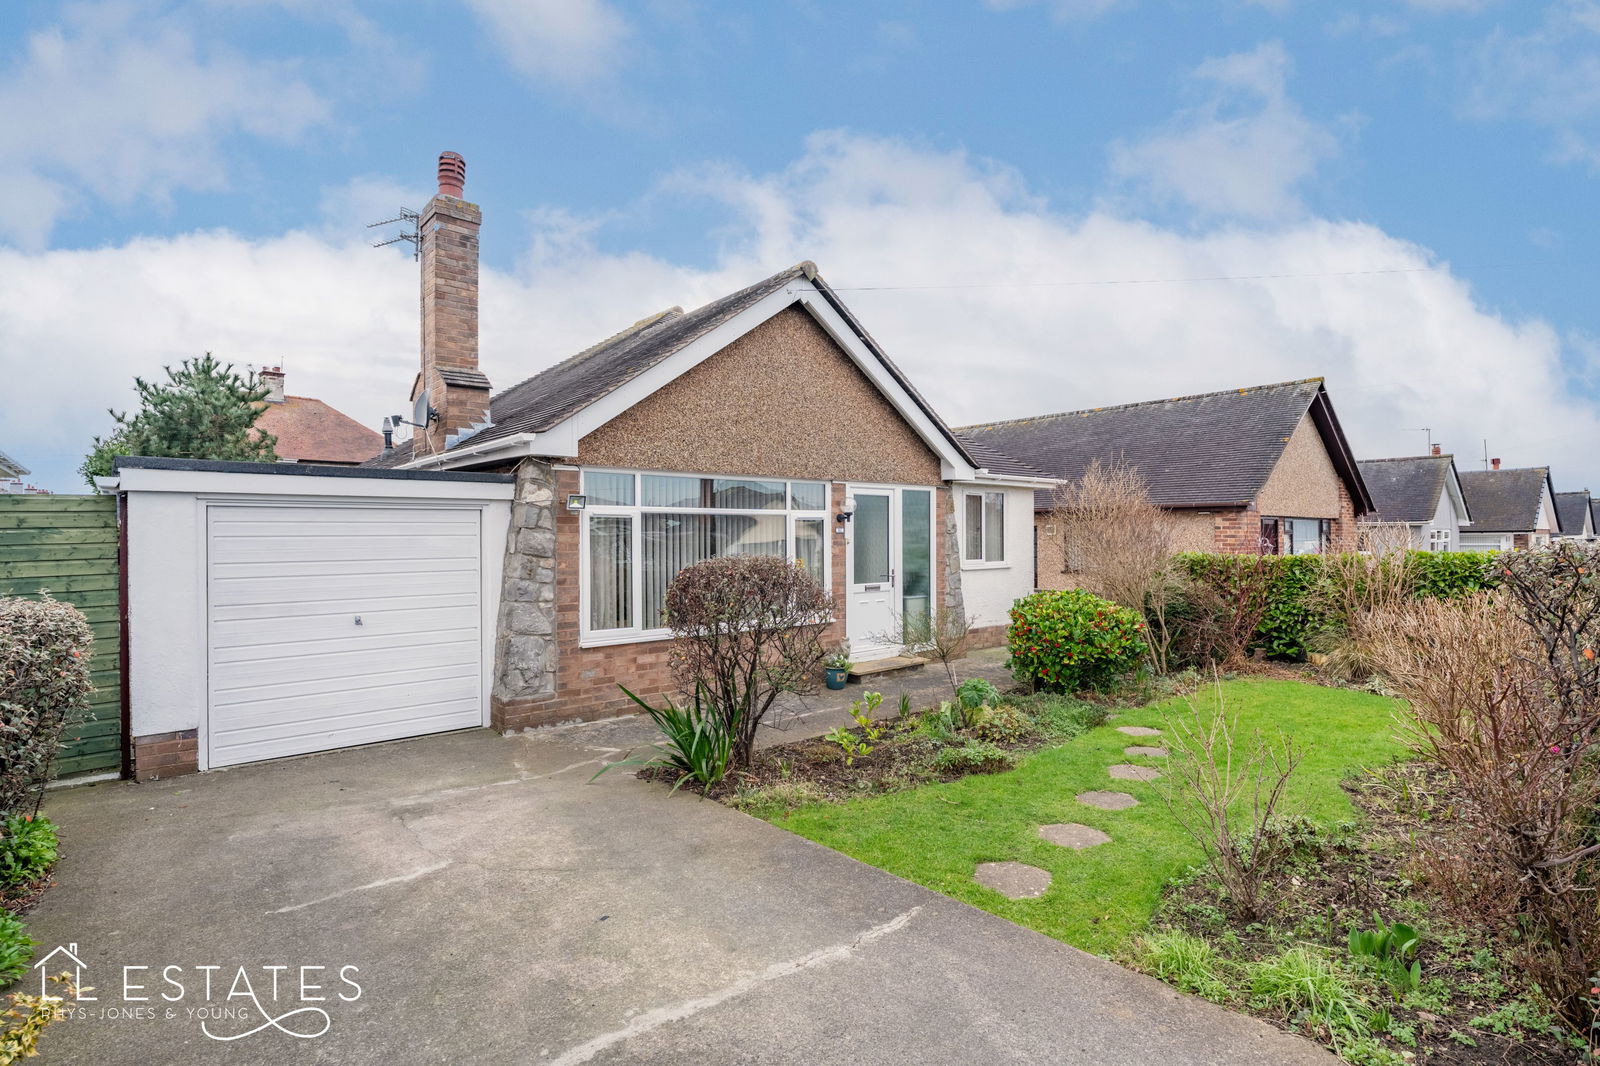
(577, 501)
(846, 509)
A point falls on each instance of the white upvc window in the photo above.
(639, 529)
(1438, 540)
(983, 541)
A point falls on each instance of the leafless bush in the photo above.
(1227, 792)
(749, 628)
(1119, 544)
(1505, 691)
(939, 633)
(1228, 598)
(1351, 591)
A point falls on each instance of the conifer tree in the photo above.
(204, 410)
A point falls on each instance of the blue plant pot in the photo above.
(836, 678)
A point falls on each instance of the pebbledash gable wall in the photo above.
(781, 401)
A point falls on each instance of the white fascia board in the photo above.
(210, 482)
(1007, 481)
(561, 440)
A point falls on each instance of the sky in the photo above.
(1034, 205)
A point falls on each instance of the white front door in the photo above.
(888, 565)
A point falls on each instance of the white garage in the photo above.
(279, 610)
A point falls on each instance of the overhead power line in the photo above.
(1127, 281)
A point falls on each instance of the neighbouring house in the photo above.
(1575, 515)
(309, 431)
(1420, 494)
(506, 565)
(1263, 469)
(1511, 509)
(11, 475)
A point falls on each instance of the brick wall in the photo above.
(1236, 531)
(159, 755)
(449, 252)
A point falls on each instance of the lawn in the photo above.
(937, 834)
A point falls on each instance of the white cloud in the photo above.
(1243, 151)
(570, 43)
(126, 106)
(1062, 10)
(1019, 336)
(1549, 76)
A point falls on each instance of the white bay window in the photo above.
(642, 529)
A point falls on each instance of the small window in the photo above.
(808, 495)
(608, 490)
(985, 535)
(1438, 540)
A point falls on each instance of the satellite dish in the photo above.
(421, 413)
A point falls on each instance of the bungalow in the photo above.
(1263, 469)
(310, 431)
(1575, 513)
(1511, 509)
(767, 421)
(1421, 493)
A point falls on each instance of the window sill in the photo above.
(611, 640)
(969, 565)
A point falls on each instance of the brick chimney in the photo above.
(272, 378)
(456, 388)
(1495, 463)
(1438, 449)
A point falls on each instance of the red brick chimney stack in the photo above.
(1438, 449)
(456, 388)
(272, 378)
(1495, 463)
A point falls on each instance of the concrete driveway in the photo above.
(499, 908)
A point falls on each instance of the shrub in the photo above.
(27, 850)
(1226, 793)
(16, 948)
(973, 757)
(696, 742)
(1004, 725)
(1228, 599)
(1504, 690)
(749, 628)
(1070, 640)
(44, 681)
(976, 692)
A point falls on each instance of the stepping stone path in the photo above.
(1073, 835)
(1108, 801)
(1128, 772)
(1138, 731)
(1014, 880)
(1139, 749)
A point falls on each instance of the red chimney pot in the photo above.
(452, 174)
(1495, 463)
(1438, 449)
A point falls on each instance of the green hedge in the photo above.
(1290, 620)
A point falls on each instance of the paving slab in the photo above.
(1073, 835)
(498, 907)
(1108, 801)
(1141, 749)
(1013, 880)
(1129, 772)
(1138, 731)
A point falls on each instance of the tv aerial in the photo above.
(411, 235)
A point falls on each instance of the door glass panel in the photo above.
(916, 553)
(871, 540)
(610, 572)
(809, 538)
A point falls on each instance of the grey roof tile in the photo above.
(1405, 489)
(1214, 449)
(1504, 501)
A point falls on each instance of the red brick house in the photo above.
(310, 431)
(1261, 469)
(767, 421)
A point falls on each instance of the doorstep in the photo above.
(885, 666)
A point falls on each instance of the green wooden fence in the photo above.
(67, 545)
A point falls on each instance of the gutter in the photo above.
(516, 445)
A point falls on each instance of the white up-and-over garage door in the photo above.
(332, 625)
